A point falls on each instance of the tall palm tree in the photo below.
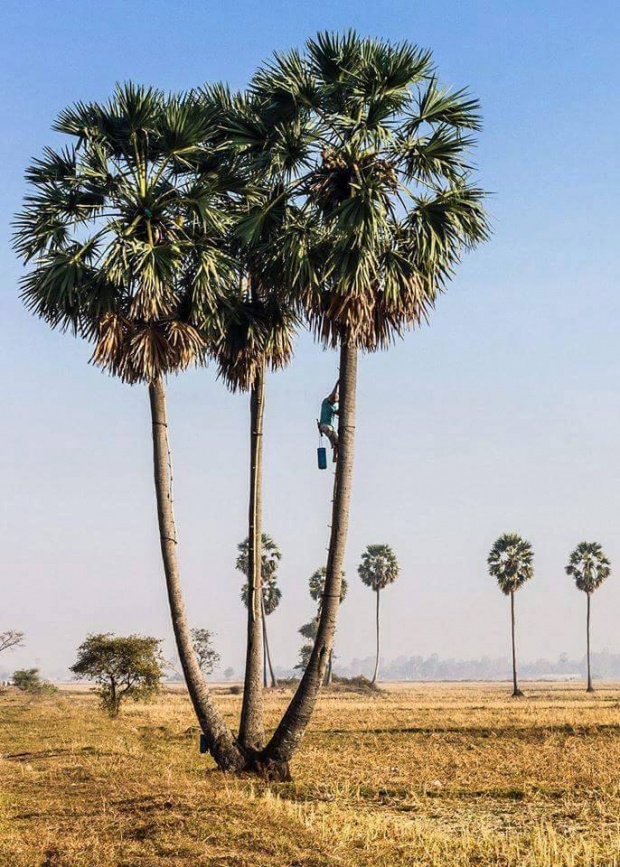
(258, 329)
(271, 593)
(589, 566)
(378, 569)
(511, 563)
(124, 230)
(383, 208)
(317, 591)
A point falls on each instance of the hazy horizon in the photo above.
(500, 416)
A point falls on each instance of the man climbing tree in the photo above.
(327, 426)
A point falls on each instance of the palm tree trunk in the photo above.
(220, 741)
(267, 655)
(330, 669)
(251, 726)
(289, 733)
(374, 677)
(515, 685)
(590, 688)
(264, 651)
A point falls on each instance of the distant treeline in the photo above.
(605, 666)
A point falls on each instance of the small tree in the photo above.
(379, 567)
(271, 593)
(11, 638)
(123, 667)
(511, 563)
(589, 566)
(228, 672)
(27, 679)
(208, 657)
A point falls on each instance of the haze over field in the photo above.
(503, 416)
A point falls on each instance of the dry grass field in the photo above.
(438, 775)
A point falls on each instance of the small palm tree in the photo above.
(378, 569)
(589, 566)
(125, 233)
(511, 563)
(317, 591)
(271, 593)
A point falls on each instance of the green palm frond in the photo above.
(588, 566)
(384, 180)
(126, 231)
(378, 567)
(511, 562)
(270, 561)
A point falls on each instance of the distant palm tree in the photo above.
(125, 231)
(589, 566)
(510, 562)
(379, 567)
(271, 593)
(317, 591)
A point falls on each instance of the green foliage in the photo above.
(588, 566)
(316, 584)
(124, 228)
(229, 672)
(124, 667)
(270, 561)
(374, 161)
(207, 656)
(29, 680)
(379, 567)
(511, 562)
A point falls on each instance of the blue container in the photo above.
(321, 454)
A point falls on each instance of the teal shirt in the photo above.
(328, 413)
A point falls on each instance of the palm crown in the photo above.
(379, 567)
(374, 157)
(270, 560)
(125, 228)
(316, 584)
(589, 566)
(511, 562)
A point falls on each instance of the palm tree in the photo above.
(317, 591)
(589, 566)
(379, 567)
(383, 208)
(258, 328)
(125, 229)
(271, 593)
(511, 563)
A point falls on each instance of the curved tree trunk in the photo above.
(220, 741)
(251, 726)
(515, 684)
(290, 731)
(590, 688)
(376, 672)
(267, 666)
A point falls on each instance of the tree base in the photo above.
(518, 694)
(268, 769)
(590, 689)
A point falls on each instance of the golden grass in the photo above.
(427, 775)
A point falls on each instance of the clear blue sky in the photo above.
(503, 415)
